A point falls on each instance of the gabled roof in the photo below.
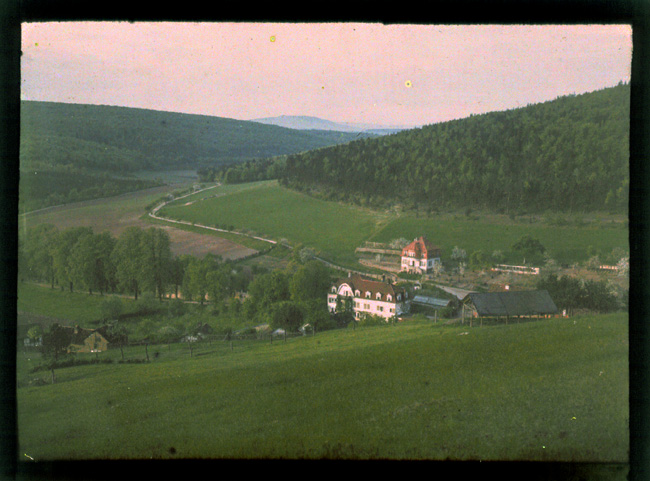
(356, 282)
(512, 303)
(421, 247)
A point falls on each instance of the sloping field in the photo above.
(337, 229)
(269, 210)
(566, 244)
(547, 390)
(116, 214)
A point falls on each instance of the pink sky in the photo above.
(368, 73)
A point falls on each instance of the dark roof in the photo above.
(517, 303)
(357, 282)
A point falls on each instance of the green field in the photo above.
(546, 390)
(565, 244)
(269, 210)
(76, 307)
(337, 229)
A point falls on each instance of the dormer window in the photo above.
(389, 298)
(379, 296)
(334, 289)
(368, 295)
(357, 293)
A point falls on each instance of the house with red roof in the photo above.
(420, 256)
(369, 297)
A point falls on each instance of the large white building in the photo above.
(369, 297)
(420, 256)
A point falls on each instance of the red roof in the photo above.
(421, 248)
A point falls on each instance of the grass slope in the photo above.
(269, 210)
(547, 390)
(337, 229)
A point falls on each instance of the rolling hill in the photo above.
(568, 154)
(87, 147)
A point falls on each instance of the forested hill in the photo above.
(105, 138)
(71, 152)
(571, 153)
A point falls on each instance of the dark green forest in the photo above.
(568, 154)
(84, 147)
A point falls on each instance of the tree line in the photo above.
(139, 261)
(568, 154)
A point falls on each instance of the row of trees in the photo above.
(568, 154)
(77, 258)
(571, 294)
(140, 261)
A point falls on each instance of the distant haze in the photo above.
(302, 122)
(354, 73)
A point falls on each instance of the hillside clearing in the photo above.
(547, 390)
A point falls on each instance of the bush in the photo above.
(111, 308)
(372, 320)
(177, 308)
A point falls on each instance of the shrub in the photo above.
(111, 308)
(177, 308)
(372, 320)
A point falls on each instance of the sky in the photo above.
(387, 75)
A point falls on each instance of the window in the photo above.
(334, 289)
(357, 293)
(380, 308)
(379, 296)
(368, 294)
(389, 298)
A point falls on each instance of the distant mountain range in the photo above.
(303, 122)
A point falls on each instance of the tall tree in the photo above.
(157, 260)
(63, 251)
(128, 259)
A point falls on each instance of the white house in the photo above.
(420, 256)
(369, 297)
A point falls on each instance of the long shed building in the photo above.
(509, 304)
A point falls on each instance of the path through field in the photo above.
(116, 214)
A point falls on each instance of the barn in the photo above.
(509, 304)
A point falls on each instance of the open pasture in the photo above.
(116, 214)
(565, 244)
(269, 210)
(552, 389)
(337, 229)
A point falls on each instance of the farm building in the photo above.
(420, 256)
(86, 340)
(369, 297)
(509, 304)
(78, 339)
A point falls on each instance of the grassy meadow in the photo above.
(547, 390)
(77, 307)
(337, 229)
(269, 210)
